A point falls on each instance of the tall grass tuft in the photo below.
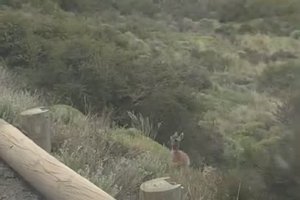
(12, 100)
(144, 124)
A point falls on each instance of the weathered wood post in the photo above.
(36, 125)
(53, 179)
(161, 189)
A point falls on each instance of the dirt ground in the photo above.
(12, 187)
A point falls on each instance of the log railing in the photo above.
(46, 174)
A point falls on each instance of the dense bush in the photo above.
(224, 10)
(283, 169)
(295, 34)
(281, 79)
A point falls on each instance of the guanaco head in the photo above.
(175, 140)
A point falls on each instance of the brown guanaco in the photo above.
(179, 158)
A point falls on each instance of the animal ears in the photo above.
(181, 136)
(175, 135)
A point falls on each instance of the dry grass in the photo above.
(144, 124)
(198, 185)
(13, 101)
(119, 160)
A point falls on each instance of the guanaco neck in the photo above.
(175, 147)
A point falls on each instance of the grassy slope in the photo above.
(237, 110)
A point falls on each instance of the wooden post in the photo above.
(160, 189)
(36, 125)
(46, 174)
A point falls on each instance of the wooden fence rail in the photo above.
(46, 174)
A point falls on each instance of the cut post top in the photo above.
(159, 185)
(35, 111)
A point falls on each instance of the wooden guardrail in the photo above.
(46, 174)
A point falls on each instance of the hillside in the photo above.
(116, 159)
(224, 73)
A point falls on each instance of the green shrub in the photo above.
(13, 40)
(66, 114)
(267, 8)
(295, 34)
(211, 60)
(280, 79)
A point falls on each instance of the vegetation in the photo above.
(116, 159)
(224, 72)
